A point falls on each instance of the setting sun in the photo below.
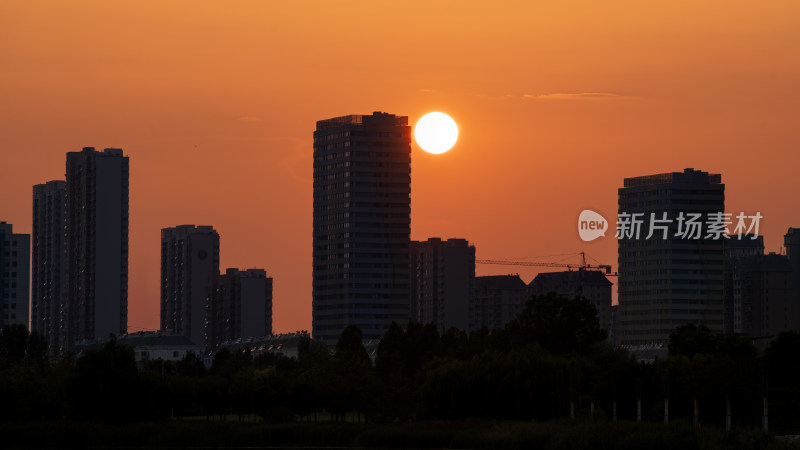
(436, 132)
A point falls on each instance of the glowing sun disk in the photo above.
(436, 132)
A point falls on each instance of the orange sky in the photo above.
(557, 101)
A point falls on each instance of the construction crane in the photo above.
(582, 266)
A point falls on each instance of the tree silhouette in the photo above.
(559, 324)
(350, 372)
(690, 339)
(17, 345)
(104, 385)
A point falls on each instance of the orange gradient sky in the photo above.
(556, 102)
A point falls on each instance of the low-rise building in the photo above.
(497, 300)
(148, 346)
(590, 284)
(286, 344)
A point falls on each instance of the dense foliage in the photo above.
(552, 362)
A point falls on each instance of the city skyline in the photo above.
(545, 133)
(182, 245)
(178, 228)
(427, 224)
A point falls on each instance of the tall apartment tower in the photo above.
(14, 276)
(665, 283)
(763, 304)
(362, 220)
(97, 244)
(735, 252)
(239, 305)
(791, 240)
(48, 268)
(189, 261)
(442, 282)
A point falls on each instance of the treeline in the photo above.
(552, 362)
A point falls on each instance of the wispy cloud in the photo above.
(561, 96)
(249, 119)
(575, 96)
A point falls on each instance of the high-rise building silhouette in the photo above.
(666, 283)
(763, 304)
(442, 282)
(735, 251)
(239, 305)
(791, 241)
(97, 244)
(497, 300)
(362, 209)
(612, 329)
(14, 276)
(48, 265)
(592, 285)
(189, 261)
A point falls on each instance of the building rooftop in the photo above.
(770, 262)
(105, 152)
(184, 230)
(687, 176)
(589, 276)
(140, 339)
(377, 118)
(52, 183)
(273, 342)
(746, 241)
(436, 240)
(246, 273)
(500, 282)
(155, 338)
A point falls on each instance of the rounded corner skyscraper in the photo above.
(362, 224)
(665, 283)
